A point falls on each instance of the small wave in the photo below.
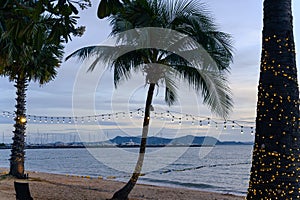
(202, 166)
(179, 184)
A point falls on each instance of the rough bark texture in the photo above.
(123, 193)
(18, 146)
(275, 162)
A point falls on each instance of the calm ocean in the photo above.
(220, 169)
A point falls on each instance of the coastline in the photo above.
(46, 186)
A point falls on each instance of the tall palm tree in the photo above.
(165, 66)
(276, 160)
(31, 49)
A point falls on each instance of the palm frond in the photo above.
(171, 94)
(213, 86)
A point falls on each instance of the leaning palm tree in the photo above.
(276, 161)
(140, 49)
(31, 37)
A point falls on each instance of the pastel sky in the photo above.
(76, 92)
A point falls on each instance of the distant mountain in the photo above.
(188, 140)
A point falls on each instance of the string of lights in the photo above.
(166, 115)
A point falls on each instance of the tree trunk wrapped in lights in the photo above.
(276, 162)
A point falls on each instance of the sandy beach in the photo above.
(45, 186)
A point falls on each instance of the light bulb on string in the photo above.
(116, 116)
(28, 116)
(82, 120)
(102, 117)
(242, 129)
(124, 115)
(40, 119)
(208, 122)
(130, 115)
(46, 119)
(96, 118)
(180, 122)
(200, 123)
(225, 126)
(70, 120)
(252, 132)
(51, 120)
(63, 120)
(57, 120)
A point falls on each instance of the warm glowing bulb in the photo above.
(23, 119)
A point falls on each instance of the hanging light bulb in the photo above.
(23, 119)
(200, 123)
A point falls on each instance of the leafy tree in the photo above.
(32, 37)
(191, 26)
(275, 162)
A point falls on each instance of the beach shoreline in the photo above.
(46, 186)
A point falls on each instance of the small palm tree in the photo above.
(165, 66)
(31, 49)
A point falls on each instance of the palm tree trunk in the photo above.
(18, 146)
(276, 161)
(123, 193)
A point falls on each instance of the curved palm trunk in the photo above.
(275, 164)
(18, 146)
(123, 193)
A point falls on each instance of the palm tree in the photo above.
(275, 162)
(165, 66)
(31, 49)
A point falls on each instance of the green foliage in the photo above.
(188, 18)
(32, 34)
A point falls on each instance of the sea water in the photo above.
(223, 168)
